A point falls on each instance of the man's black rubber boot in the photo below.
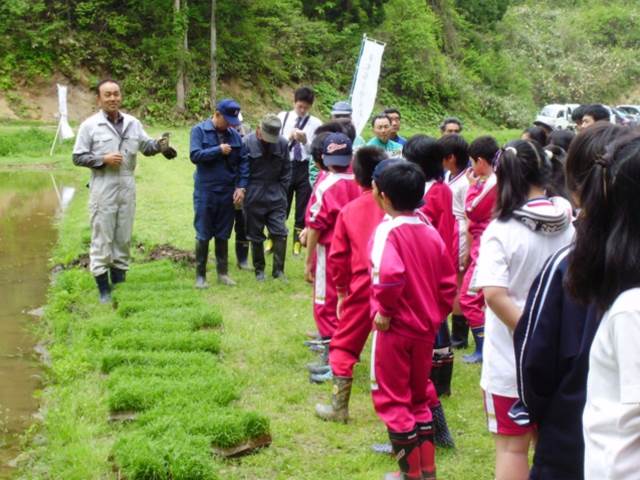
(118, 275)
(257, 255)
(459, 332)
(222, 262)
(202, 254)
(242, 255)
(104, 289)
(279, 255)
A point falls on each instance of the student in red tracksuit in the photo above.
(333, 192)
(349, 258)
(479, 206)
(413, 286)
(428, 154)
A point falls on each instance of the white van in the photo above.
(558, 115)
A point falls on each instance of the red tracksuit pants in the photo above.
(471, 303)
(325, 297)
(354, 327)
(400, 368)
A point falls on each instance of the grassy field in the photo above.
(260, 344)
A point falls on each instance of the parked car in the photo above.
(633, 110)
(558, 115)
(619, 117)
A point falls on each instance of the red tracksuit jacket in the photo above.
(413, 278)
(438, 207)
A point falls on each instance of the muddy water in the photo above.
(28, 205)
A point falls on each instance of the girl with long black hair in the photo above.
(554, 335)
(604, 270)
(529, 227)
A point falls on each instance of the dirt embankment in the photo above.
(40, 101)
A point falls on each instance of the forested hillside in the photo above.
(488, 60)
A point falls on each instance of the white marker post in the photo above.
(64, 130)
(365, 82)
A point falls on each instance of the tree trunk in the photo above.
(183, 47)
(450, 38)
(213, 79)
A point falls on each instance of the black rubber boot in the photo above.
(279, 254)
(117, 275)
(459, 332)
(257, 255)
(242, 255)
(407, 452)
(222, 262)
(202, 254)
(441, 372)
(443, 436)
(104, 289)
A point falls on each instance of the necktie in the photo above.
(297, 148)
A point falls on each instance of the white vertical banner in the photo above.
(365, 82)
(64, 127)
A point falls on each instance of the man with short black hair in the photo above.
(594, 113)
(395, 118)
(265, 203)
(220, 182)
(577, 115)
(108, 143)
(451, 126)
(298, 127)
(381, 125)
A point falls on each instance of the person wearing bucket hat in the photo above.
(332, 192)
(342, 110)
(265, 203)
(220, 182)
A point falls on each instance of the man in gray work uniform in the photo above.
(107, 143)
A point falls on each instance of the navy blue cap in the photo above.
(230, 110)
(383, 165)
(337, 150)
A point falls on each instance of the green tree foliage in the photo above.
(343, 12)
(483, 13)
(495, 59)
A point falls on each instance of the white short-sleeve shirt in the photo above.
(511, 256)
(611, 419)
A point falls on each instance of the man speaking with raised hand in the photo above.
(108, 143)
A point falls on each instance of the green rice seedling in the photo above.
(224, 426)
(195, 370)
(140, 457)
(197, 316)
(112, 359)
(151, 290)
(139, 394)
(138, 323)
(175, 456)
(153, 272)
(205, 341)
(152, 303)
